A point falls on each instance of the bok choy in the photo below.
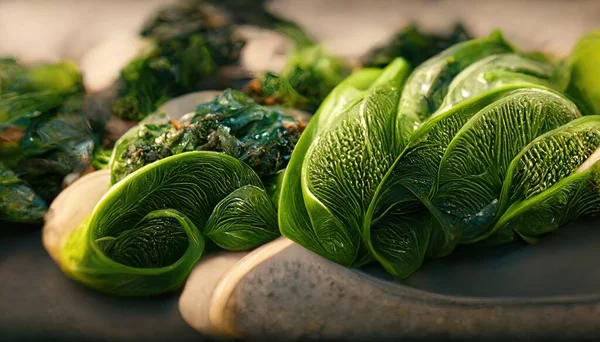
(478, 140)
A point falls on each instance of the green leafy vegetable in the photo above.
(428, 85)
(29, 92)
(471, 173)
(232, 123)
(333, 160)
(544, 189)
(43, 136)
(190, 44)
(18, 202)
(244, 217)
(500, 70)
(414, 45)
(309, 75)
(146, 233)
(255, 13)
(101, 158)
(478, 142)
(584, 84)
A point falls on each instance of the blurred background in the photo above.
(42, 30)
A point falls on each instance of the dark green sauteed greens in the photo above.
(478, 143)
(308, 77)
(194, 39)
(414, 45)
(190, 44)
(232, 123)
(44, 137)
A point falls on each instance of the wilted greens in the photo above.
(478, 142)
(43, 135)
(29, 92)
(191, 42)
(232, 123)
(309, 75)
(414, 45)
(18, 202)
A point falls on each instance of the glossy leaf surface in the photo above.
(145, 234)
(553, 180)
(338, 161)
(474, 165)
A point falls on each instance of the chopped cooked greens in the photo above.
(308, 77)
(191, 42)
(310, 72)
(232, 123)
(43, 135)
(414, 45)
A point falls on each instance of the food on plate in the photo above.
(262, 137)
(308, 76)
(208, 181)
(478, 142)
(414, 45)
(473, 143)
(190, 43)
(44, 137)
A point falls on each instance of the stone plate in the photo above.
(545, 292)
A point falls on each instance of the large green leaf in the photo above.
(499, 70)
(474, 165)
(294, 219)
(584, 85)
(243, 220)
(144, 236)
(553, 180)
(428, 85)
(402, 206)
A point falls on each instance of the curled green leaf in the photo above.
(552, 181)
(145, 234)
(334, 159)
(243, 220)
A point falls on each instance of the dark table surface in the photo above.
(37, 302)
